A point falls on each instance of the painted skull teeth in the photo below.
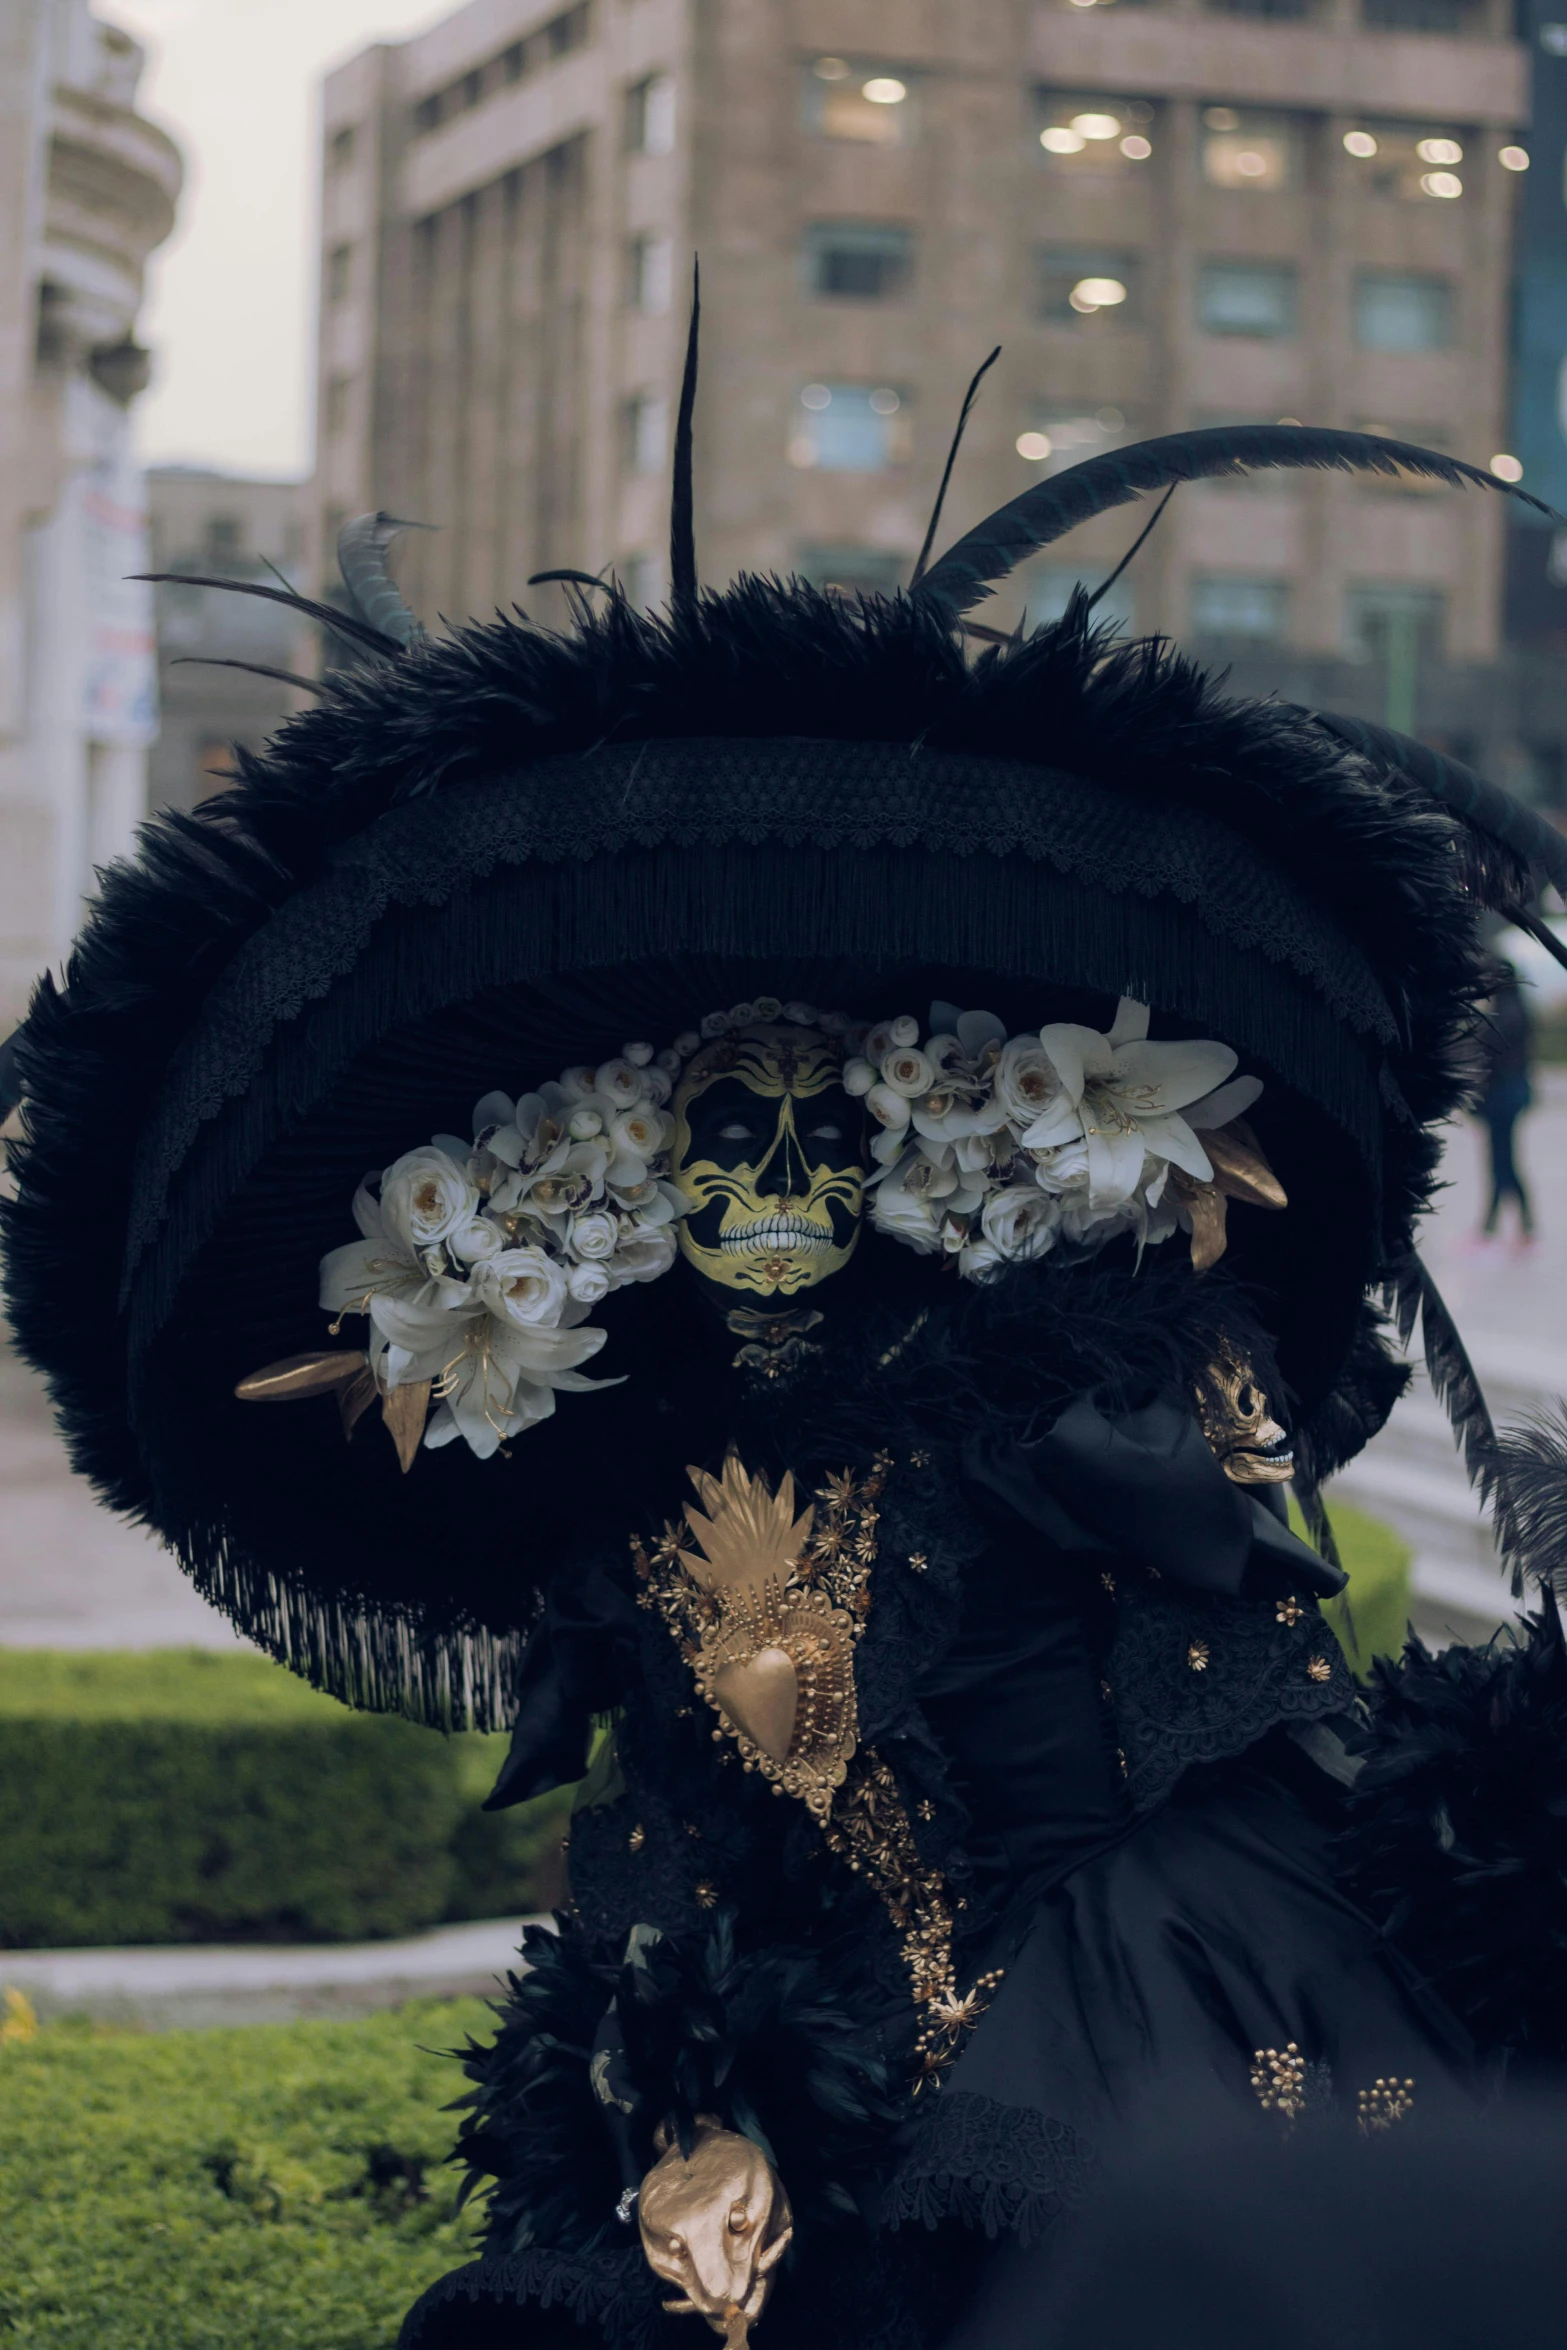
(764, 1234)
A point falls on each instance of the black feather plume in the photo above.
(355, 632)
(1413, 1295)
(682, 525)
(1533, 1458)
(1050, 509)
(306, 685)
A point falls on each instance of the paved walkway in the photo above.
(230, 1984)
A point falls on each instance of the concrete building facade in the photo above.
(87, 190)
(1169, 214)
(222, 526)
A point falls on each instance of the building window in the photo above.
(1082, 282)
(858, 261)
(851, 428)
(1273, 10)
(339, 273)
(851, 571)
(1405, 160)
(1253, 152)
(650, 274)
(340, 148)
(1225, 604)
(1421, 16)
(647, 432)
(1255, 298)
(1395, 623)
(650, 116)
(336, 404)
(427, 114)
(1094, 134)
(1402, 313)
(514, 62)
(224, 536)
(872, 104)
(1061, 436)
(1048, 589)
(568, 31)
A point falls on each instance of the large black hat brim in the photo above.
(361, 969)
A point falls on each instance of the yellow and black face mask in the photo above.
(770, 1152)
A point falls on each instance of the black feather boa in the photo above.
(1458, 1842)
(792, 2047)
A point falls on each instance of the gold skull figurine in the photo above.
(715, 2224)
(1250, 1446)
(770, 1152)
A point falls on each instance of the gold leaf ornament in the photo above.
(344, 1372)
(1240, 1172)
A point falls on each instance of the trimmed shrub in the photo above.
(192, 1796)
(1371, 1618)
(276, 2187)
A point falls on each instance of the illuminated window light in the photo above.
(816, 396)
(802, 452)
(831, 69)
(1360, 143)
(1506, 468)
(1097, 126)
(1096, 293)
(885, 402)
(1441, 183)
(1136, 147)
(1035, 446)
(1250, 164)
(1058, 140)
(883, 90)
(1513, 158)
(1439, 151)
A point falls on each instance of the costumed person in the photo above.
(830, 1181)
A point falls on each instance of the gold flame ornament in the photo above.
(714, 2224)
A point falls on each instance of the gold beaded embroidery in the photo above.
(1383, 2104)
(1278, 2078)
(1197, 1656)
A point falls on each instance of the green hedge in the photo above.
(185, 1795)
(279, 2187)
(1371, 1618)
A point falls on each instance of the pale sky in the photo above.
(230, 314)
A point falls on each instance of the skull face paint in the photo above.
(770, 1152)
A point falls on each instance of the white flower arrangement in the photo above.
(479, 1263)
(993, 1148)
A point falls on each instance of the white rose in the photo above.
(645, 1256)
(476, 1239)
(741, 1015)
(588, 1283)
(638, 1055)
(878, 1041)
(803, 1015)
(834, 1023)
(667, 1063)
(767, 1007)
(858, 1076)
(904, 1030)
(979, 1260)
(657, 1084)
(904, 1214)
(522, 1286)
(576, 1084)
(584, 1124)
(685, 1044)
(642, 1132)
(619, 1083)
(714, 1024)
(1020, 1222)
(907, 1071)
(592, 1238)
(888, 1108)
(424, 1195)
(1028, 1086)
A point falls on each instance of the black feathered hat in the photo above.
(487, 855)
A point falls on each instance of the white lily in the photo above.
(1129, 1093)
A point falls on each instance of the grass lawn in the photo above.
(275, 2187)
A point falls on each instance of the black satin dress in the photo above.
(1146, 1961)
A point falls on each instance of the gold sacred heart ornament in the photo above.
(774, 1657)
(761, 1697)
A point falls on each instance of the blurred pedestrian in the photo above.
(1507, 1039)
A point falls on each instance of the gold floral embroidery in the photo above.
(1383, 2104)
(1278, 2077)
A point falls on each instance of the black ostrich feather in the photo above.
(1458, 1837)
(1412, 1295)
(1533, 1462)
(362, 546)
(964, 575)
(356, 632)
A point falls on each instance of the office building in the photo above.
(1168, 214)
